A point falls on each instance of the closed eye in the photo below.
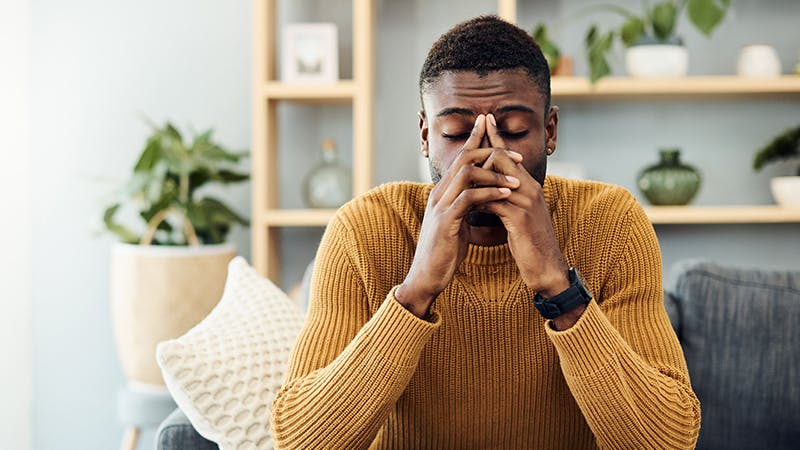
(455, 137)
(517, 135)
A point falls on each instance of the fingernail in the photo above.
(512, 180)
(504, 191)
(480, 118)
(515, 155)
(492, 120)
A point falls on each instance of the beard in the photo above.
(483, 218)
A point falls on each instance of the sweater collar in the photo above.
(482, 255)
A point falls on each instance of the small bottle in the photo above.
(329, 183)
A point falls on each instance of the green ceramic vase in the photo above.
(669, 182)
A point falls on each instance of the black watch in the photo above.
(575, 295)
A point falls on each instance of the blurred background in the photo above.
(77, 77)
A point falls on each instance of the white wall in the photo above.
(98, 66)
(15, 227)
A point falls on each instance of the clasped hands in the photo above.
(489, 178)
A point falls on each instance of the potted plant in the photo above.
(559, 64)
(169, 269)
(653, 49)
(785, 190)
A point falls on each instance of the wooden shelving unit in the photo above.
(579, 88)
(741, 214)
(268, 92)
(269, 218)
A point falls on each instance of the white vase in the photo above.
(759, 61)
(657, 60)
(786, 190)
(159, 293)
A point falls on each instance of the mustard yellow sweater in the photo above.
(487, 371)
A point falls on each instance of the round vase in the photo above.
(669, 182)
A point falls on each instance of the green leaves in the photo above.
(707, 14)
(597, 46)
(167, 175)
(212, 220)
(124, 234)
(784, 146)
(550, 50)
(663, 17)
(631, 31)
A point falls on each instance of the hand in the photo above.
(444, 235)
(525, 215)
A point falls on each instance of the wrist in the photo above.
(554, 284)
(569, 318)
(415, 300)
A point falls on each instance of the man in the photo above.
(497, 308)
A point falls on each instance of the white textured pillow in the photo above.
(225, 372)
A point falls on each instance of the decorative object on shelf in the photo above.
(329, 184)
(310, 53)
(785, 146)
(642, 33)
(670, 182)
(760, 61)
(174, 276)
(560, 65)
(648, 57)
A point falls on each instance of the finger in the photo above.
(465, 157)
(516, 157)
(477, 133)
(471, 176)
(503, 161)
(470, 198)
(495, 140)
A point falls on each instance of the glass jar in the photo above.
(670, 182)
(329, 183)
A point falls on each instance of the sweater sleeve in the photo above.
(347, 369)
(622, 360)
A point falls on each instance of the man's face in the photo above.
(456, 99)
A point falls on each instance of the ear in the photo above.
(423, 132)
(551, 128)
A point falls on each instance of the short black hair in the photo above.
(486, 44)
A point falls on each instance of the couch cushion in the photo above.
(225, 372)
(740, 331)
(177, 433)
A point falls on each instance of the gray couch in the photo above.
(740, 332)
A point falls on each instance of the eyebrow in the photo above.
(470, 113)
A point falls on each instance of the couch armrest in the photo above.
(177, 433)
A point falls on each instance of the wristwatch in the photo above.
(575, 295)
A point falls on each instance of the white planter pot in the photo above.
(657, 60)
(159, 293)
(786, 190)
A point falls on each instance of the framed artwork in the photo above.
(310, 53)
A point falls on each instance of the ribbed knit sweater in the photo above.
(486, 371)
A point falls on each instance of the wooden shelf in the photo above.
(577, 88)
(722, 214)
(342, 91)
(659, 215)
(297, 217)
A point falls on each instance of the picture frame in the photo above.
(310, 53)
